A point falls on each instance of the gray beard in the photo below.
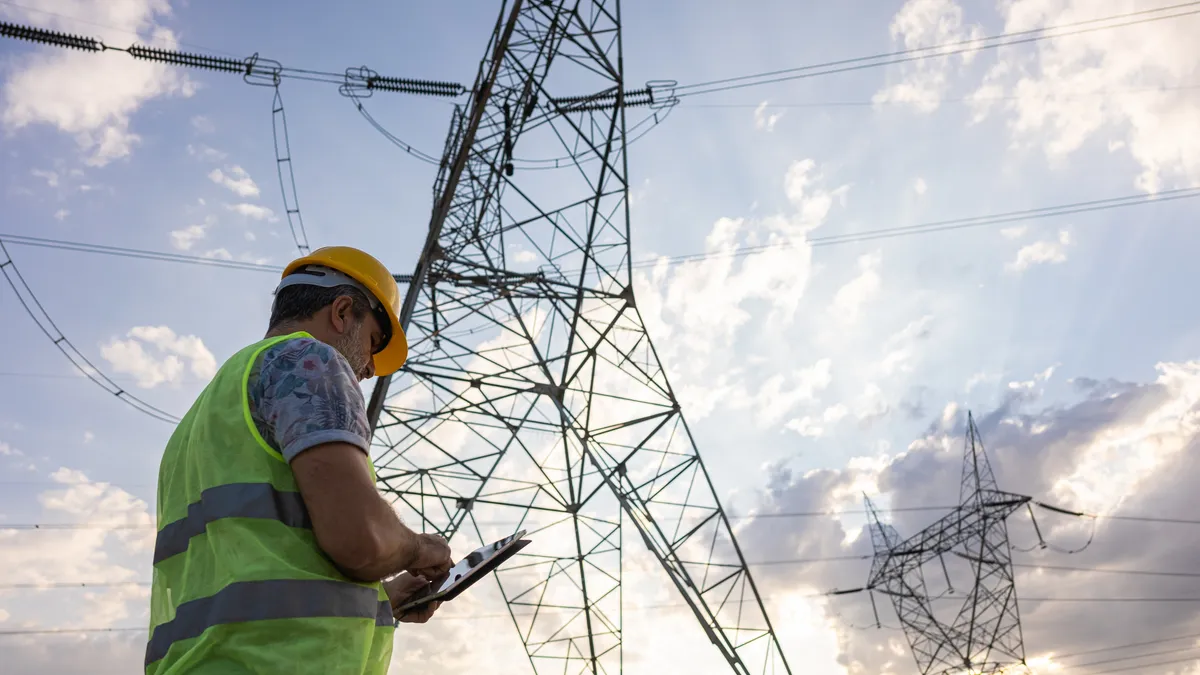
(348, 346)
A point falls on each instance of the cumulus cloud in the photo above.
(253, 211)
(235, 180)
(203, 125)
(92, 99)
(901, 347)
(1129, 447)
(156, 355)
(764, 121)
(1123, 89)
(51, 177)
(205, 152)
(107, 555)
(1014, 232)
(9, 451)
(920, 186)
(922, 23)
(184, 238)
(850, 298)
(61, 215)
(1048, 251)
(696, 311)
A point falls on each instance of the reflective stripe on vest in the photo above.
(232, 500)
(274, 599)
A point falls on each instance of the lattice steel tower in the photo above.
(533, 393)
(983, 636)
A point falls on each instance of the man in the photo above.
(272, 539)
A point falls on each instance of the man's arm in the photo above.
(354, 525)
(306, 403)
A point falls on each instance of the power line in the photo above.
(111, 27)
(1102, 570)
(36, 311)
(932, 51)
(1118, 659)
(141, 254)
(816, 242)
(1111, 93)
(253, 69)
(923, 228)
(1144, 665)
(1128, 645)
(283, 155)
(81, 247)
(785, 514)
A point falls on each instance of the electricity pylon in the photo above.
(533, 393)
(984, 635)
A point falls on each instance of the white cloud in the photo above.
(88, 437)
(203, 125)
(90, 97)
(901, 347)
(524, 257)
(250, 236)
(806, 426)
(696, 311)
(183, 239)
(51, 177)
(1110, 76)
(764, 121)
(871, 403)
(61, 215)
(920, 186)
(850, 298)
(156, 355)
(834, 414)
(812, 427)
(253, 211)
(206, 153)
(1042, 252)
(1014, 232)
(237, 181)
(114, 556)
(921, 23)
(784, 391)
(9, 451)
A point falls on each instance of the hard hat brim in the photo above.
(392, 357)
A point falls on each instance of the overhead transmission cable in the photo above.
(283, 161)
(922, 228)
(253, 69)
(941, 50)
(37, 312)
(1056, 96)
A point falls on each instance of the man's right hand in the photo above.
(433, 557)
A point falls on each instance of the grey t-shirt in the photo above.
(304, 393)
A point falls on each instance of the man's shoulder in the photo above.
(304, 393)
(299, 352)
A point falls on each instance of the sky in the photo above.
(808, 376)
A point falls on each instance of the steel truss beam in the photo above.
(533, 393)
(984, 636)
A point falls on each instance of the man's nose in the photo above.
(369, 371)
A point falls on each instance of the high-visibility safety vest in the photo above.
(240, 584)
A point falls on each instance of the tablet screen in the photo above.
(470, 569)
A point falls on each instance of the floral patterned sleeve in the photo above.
(303, 393)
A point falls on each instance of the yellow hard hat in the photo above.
(375, 278)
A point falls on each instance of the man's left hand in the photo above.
(403, 587)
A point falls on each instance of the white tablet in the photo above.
(467, 571)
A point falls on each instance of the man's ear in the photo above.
(340, 313)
